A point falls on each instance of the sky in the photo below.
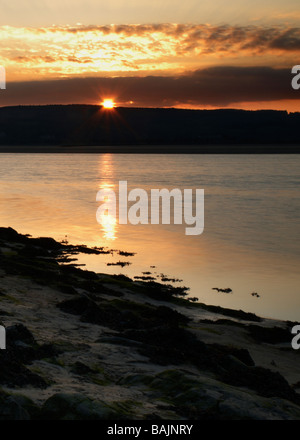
(185, 54)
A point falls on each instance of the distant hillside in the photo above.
(77, 125)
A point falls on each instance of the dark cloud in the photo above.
(204, 37)
(194, 36)
(288, 40)
(216, 86)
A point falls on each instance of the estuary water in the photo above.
(250, 241)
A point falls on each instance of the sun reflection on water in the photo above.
(109, 224)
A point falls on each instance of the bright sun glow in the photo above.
(108, 103)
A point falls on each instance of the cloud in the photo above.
(289, 40)
(201, 37)
(58, 51)
(216, 86)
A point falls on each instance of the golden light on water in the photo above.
(108, 223)
(109, 226)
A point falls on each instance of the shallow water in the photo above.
(251, 236)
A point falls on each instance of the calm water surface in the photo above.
(252, 211)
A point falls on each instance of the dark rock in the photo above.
(95, 287)
(166, 314)
(67, 288)
(10, 235)
(265, 382)
(46, 243)
(30, 251)
(119, 341)
(76, 305)
(19, 332)
(105, 315)
(122, 277)
(46, 351)
(22, 349)
(237, 314)
(75, 271)
(91, 312)
(14, 407)
(121, 315)
(223, 322)
(242, 354)
(75, 407)
(273, 335)
(81, 369)
(14, 374)
(166, 345)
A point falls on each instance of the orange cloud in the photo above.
(66, 51)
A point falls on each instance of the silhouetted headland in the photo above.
(89, 128)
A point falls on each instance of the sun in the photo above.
(108, 103)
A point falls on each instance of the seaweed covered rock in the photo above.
(62, 406)
(270, 335)
(121, 314)
(198, 397)
(21, 350)
(16, 407)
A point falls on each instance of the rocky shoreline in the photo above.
(87, 346)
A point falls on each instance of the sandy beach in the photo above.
(86, 346)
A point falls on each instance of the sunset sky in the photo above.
(190, 54)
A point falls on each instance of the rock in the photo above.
(76, 305)
(265, 382)
(103, 314)
(67, 288)
(170, 345)
(237, 314)
(84, 274)
(14, 407)
(22, 349)
(14, 374)
(19, 332)
(63, 406)
(46, 243)
(135, 380)
(10, 235)
(119, 341)
(81, 369)
(29, 251)
(273, 335)
(198, 397)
